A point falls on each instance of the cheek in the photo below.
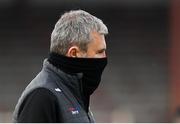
(84, 55)
(102, 55)
(93, 54)
(90, 54)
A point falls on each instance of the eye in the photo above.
(101, 51)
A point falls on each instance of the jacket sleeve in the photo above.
(39, 107)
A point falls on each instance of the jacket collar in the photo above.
(72, 81)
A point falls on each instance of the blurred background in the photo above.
(141, 82)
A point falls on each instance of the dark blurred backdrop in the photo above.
(135, 85)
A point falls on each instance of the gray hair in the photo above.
(74, 28)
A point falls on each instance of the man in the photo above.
(61, 91)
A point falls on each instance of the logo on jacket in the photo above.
(73, 110)
(57, 89)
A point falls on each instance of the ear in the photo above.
(73, 51)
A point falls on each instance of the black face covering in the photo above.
(91, 68)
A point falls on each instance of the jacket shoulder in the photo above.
(42, 103)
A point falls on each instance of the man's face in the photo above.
(95, 49)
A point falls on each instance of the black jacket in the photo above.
(53, 96)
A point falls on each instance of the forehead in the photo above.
(98, 41)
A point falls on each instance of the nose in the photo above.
(104, 54)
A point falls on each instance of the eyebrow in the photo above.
(101, 50)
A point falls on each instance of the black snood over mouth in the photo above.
(91, 68)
